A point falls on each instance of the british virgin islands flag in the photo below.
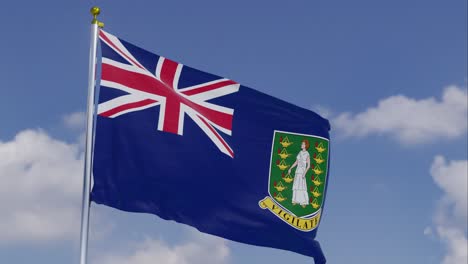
(205, 151)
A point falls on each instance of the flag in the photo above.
(205, 151)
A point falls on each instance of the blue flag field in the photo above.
(205, 151)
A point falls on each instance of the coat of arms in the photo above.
(298, 177)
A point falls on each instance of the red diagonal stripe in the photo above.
(128, 106)
(218, 136)
(209, 87)
(104, 37)
(219, 118)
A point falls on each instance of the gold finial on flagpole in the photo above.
(95, 11)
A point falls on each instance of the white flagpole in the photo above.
(95, 24)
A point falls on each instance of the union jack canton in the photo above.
(144, 89)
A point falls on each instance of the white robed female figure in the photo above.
(300, 195)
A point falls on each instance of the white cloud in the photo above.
(411, 120)
(450, 218)
(40, 190)
(323, 111)
(452, 178)
(201, 249)
(457, 245)
(76, 120)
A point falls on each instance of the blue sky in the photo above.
(390, 75)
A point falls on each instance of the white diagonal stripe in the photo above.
(134, 109)
(180, 130)
(126, 67)
(130, 90)
(159, 67)
(211, 106)
(218, 92)
(162, 112)
(122, 48)
(202, 85)
(121, 100)
(195, 117)
(175, 83)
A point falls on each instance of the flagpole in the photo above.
(95, 24)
